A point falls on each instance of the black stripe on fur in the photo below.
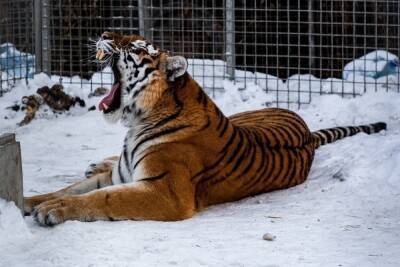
(326, 136)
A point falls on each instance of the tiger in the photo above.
(181, 154)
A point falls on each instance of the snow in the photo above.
(376, 71)
(376, 64)
(346, 214)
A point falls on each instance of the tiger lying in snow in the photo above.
(181, 154)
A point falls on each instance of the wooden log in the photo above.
(11, 185)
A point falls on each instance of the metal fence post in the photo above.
(311, 48)
(45, 29)
(143, 20)
(230, 38)
(38, 35)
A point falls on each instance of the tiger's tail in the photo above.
(326, 136)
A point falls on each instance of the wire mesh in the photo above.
(72, 28)
(291, 49)
(314, 46)
(16, 42)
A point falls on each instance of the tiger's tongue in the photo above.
(106, 102)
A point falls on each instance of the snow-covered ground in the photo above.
(346, 214)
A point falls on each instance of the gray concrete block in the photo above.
(11, 184)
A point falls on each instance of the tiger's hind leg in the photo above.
(95, 182)
(103, 166)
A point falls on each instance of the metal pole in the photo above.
(45, 19)
(141, 18)
(38, 35)
(311, 43)
(130, 17)
(230, 38)
(143, 22)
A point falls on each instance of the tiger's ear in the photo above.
(176, 67)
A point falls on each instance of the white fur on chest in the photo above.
(139, 173)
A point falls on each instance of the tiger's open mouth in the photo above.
(112, 101)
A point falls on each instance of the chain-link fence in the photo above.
(17, 43)
(291, 49)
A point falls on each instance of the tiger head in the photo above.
(142, 75)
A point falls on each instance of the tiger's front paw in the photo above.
(59, 210)
(99, 167)
(29, 205)
(91, 170)
(31, 202)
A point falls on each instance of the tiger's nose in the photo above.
(100, 54)
(104, 45)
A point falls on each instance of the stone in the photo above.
(269, 237)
